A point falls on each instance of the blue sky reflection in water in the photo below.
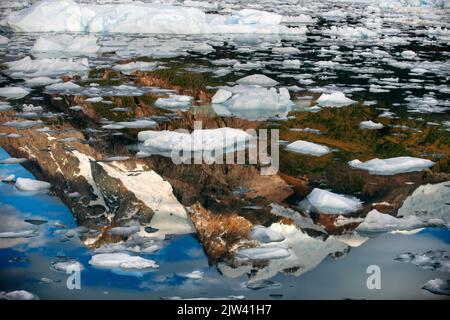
(25, 262)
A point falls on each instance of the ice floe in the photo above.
(335, 99)
(17, 295)
(67, 266)
(306, 147)
(253, 102)
(12, 160)
(370, 125)
(327, 202)
(257, 79)
(121, 260)
(305, 252)
(391, 166)
(130, 67)
(41, 81)
(377, 222)
(46, 67)
(65, 43)
(13, 92)
(428, 201)
(167, 142)
(69, 16)
(174, 102)
(26, 184)
(438, 286)
(435, 260)
(263, 253)
(265, 235)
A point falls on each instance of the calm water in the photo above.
(26, 263)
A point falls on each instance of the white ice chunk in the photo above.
(165, 142)
(428, 201)
(257, 79)
(66, 44)
(174, 102)
(335, 99)
(124, 231)
(265, 235)
(26, 184)
(370, 125)
(391, 166)
(306, 147)
(438, 286)
(17, 295)
(13, 92)
(12, 160)
(121, 260)
(130, 67)
(376, 222)
(221, 96)
(41, 81)
(133, 17)
(47, 67)
(327, 202)
(263, 253)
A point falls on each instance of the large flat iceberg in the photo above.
(166, 142)
(138, 17)
(391, 166)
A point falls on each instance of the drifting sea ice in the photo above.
(428, 201)
(3, 40)
(22, 124)
(221, 96)
(130, 67)
(69, 16)
(391, 166)
(25, 184)
(327, 202)
(306, 147)
(124, 231)
(65, 43)
(265, 235)
(335, 99)
(194, 275)
(257, 79)
(252, 102)
(12, 160)
(370, 125)
(165, 142)
(13, 92)
(47, 67)
(17, 295)
(438, 286)
(435, 260)
(67, 266)
(18, 234)
(263, 253)
(377, 222)
(121, 260)
(40, 81)
(174, 102)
